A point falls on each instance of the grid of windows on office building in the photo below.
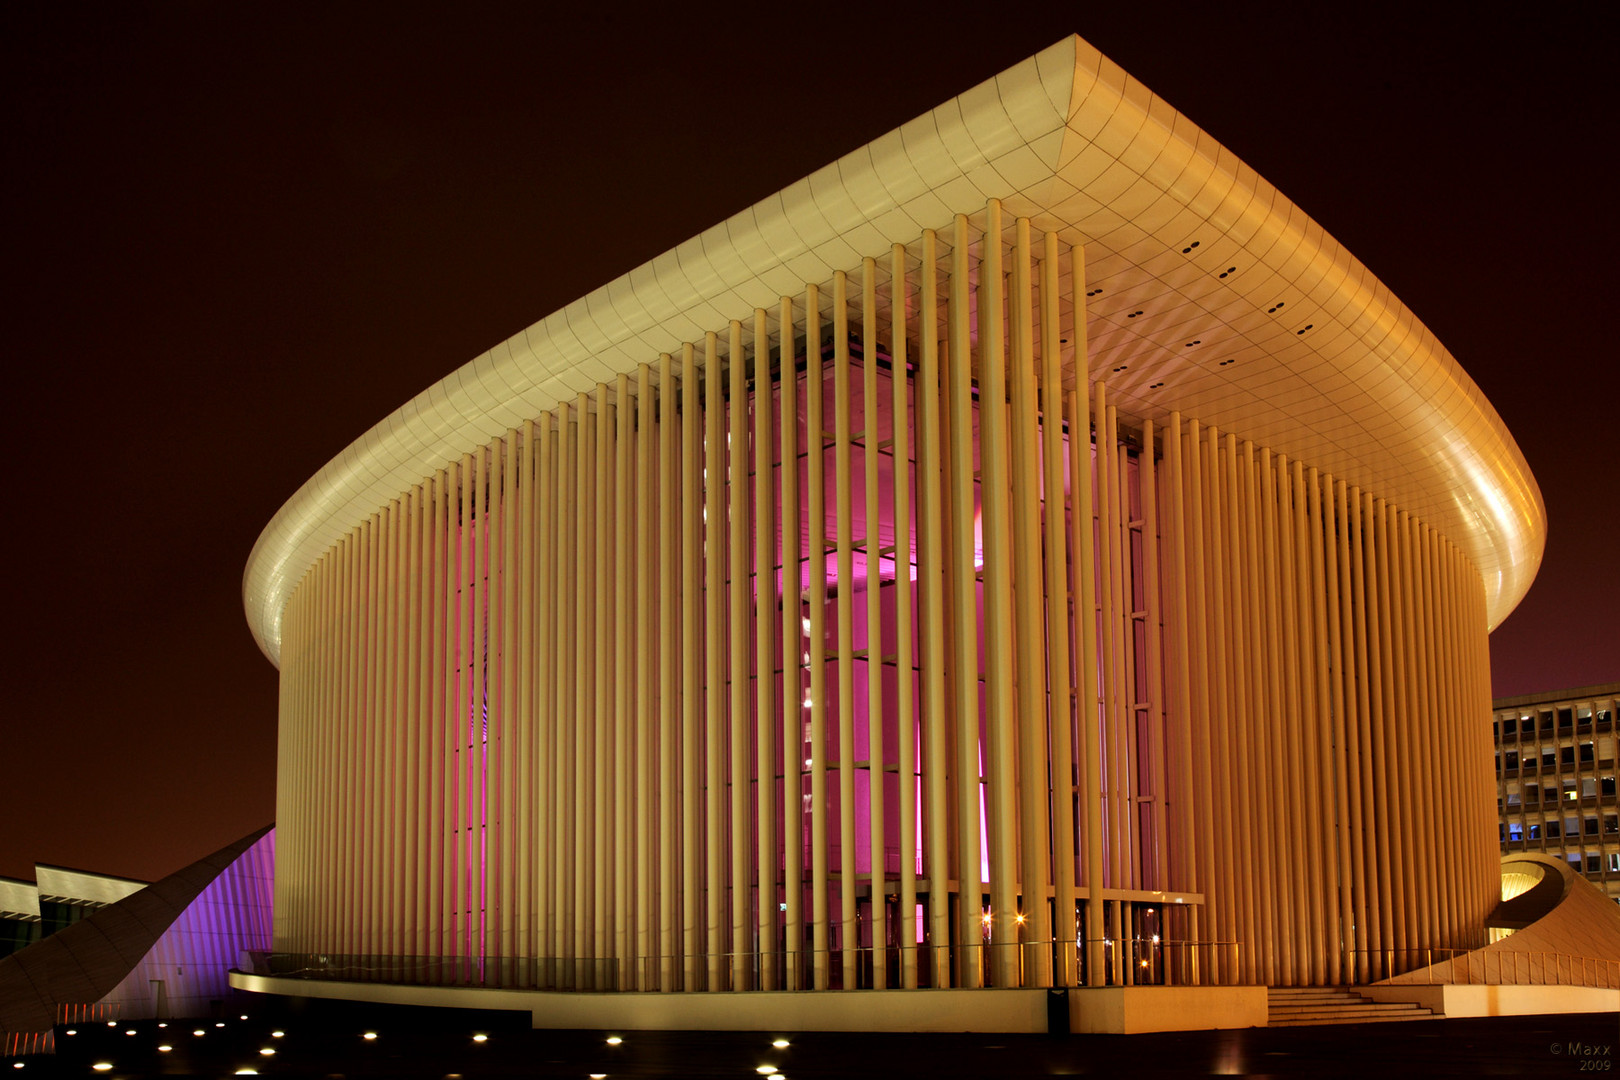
(1555, 775)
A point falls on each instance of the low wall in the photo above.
(1103, 1010)
(1133, 1010)
(1482, 1000)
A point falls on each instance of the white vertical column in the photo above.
(1322, 721)
(793, 664)
(1059, 698)
(582, 813)
(816, 601)
(1352, 862)
(1029, 643)
(1261, 777)
(1154, 680)
(658, 701)
(849, 926)
(766, 724)
(692, 610)
(604, 750)
(930, 575)
(527, 761)
(965, 659)
(631, 669)
(872, 558)
(1083, 552)
(904, 569)
(714, 591)
(1001, 790)
(738, 639)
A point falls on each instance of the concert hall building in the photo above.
(1027, 552)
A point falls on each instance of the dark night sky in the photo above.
(237, 235)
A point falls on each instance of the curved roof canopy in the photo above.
(1329, 366)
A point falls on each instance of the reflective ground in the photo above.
(319, 1039)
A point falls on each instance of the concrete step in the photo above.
(1299, 1006)
(1392, 1019)
(1353, 1003)
(1348, 1010)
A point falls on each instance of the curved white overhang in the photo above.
(1340, 374)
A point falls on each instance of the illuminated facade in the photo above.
(1556, 780)
(126, 950)
(1028, 551)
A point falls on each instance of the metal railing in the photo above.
(1495, 967)
(1134, 962)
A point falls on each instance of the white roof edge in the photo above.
(1067, 85)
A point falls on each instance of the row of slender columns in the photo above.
(583, 708)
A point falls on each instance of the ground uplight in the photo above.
(780, 1044)
(480, 1037)
(765, 1070)
(268, 1052)
(369, 1036)
(614, 1040)
(102, 1066)
(164, 1049)
(277, 1034)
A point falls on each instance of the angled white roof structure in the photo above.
(1219, 297)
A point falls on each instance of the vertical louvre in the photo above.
(686, 684)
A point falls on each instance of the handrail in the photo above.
(1482, 966)
(1144, 962)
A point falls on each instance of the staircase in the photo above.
(1296, 1006)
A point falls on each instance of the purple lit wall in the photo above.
(186, 971)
